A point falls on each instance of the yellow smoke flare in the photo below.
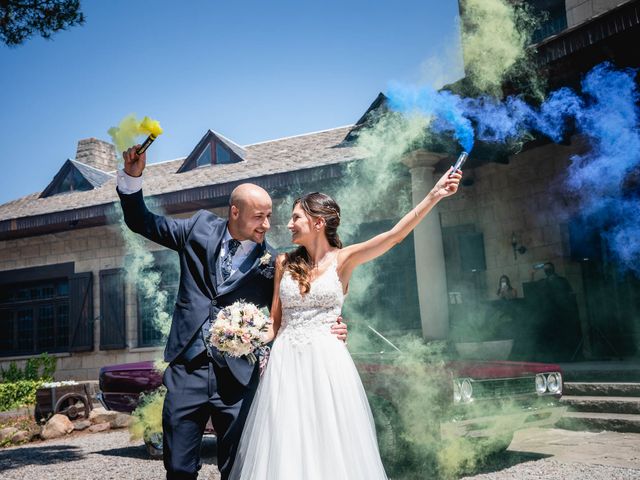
(152, 127)
(126, 134)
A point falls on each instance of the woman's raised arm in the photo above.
(360, 253)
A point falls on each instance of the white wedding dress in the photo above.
(310, 419)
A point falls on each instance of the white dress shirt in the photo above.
(128, 185)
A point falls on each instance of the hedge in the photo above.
(17, 394)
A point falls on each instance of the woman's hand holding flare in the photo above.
(447, 185)
(133, 162)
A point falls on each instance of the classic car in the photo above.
(479, 400)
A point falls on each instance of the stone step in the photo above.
(602, 404)
(614, 389)
(604, 371)
(618, 422)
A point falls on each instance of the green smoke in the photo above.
(374, 190)
(412, 397)
(141, 271)
(495, 39)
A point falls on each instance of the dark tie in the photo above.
(227, 260)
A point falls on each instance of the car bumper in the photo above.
(506, 422)
(100, 398)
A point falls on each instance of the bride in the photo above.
(310, 418)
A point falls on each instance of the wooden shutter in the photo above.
(112, 310)
(81, 312)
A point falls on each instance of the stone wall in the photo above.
(525, 197)
(91, 250)
(579, 11)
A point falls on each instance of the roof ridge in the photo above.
(226, 139)
(299, 135)
(156, 163)
(90, 166)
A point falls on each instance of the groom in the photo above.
(221, 261)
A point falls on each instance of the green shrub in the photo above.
(41, 367)
(17, 394)
(12, 374)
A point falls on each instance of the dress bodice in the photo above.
(304, 316)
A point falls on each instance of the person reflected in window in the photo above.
(557, 286)
(505, 290)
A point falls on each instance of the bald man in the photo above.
(221, 262)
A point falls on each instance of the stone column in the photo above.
(429, 253)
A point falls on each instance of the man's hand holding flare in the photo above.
(134, 162)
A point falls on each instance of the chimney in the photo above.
(97, 153)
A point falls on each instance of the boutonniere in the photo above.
(265, 259)
(266, 269)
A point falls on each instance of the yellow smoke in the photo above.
(126, 134)
(495, 37)
(152, 127)
(147, 417)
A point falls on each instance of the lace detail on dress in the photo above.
(312, 314)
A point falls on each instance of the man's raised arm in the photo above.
(169, 232)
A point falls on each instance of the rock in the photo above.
(81, 424)
(121, 421)
(21, 436)
(6, 433)
(100, 415)
(99, 427)
(57, 426)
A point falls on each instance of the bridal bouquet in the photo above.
(240, 329)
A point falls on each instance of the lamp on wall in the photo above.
(517, 249)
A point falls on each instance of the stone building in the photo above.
(63, 258)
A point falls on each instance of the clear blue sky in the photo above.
(252, 70)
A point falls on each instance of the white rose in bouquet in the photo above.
(240, 330)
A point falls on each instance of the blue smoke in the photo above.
(606, 113)
(610, 119)
(445, 109)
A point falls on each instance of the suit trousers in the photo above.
(196, 391)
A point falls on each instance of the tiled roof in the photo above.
(261, 159)
(93, 175)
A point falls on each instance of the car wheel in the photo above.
(153, 442)
(500, 444)
(393, 448)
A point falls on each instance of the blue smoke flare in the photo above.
(606, 113)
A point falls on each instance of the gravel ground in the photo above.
(97, 456)
(526, 468)
(111, 455)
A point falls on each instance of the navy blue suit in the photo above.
(202, 386)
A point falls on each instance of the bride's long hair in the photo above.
(298, 262)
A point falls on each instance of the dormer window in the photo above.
(205, 157)
(213, 149)
(222, 155)
(75, 176)
(73, 181)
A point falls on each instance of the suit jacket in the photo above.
(197, 241)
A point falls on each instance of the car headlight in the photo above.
(541, 384)
(466, 390)
(457, 396)
(554, 383)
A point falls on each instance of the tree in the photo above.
(20, 19)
